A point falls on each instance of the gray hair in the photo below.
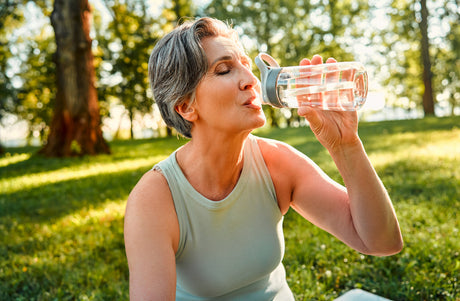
(177, 65)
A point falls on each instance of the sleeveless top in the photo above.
(229, 249)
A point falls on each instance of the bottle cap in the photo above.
(268, 77)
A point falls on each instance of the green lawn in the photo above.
(61, 221)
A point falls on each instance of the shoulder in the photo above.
(151, 192)
(147, 189)
(271, 145)
(278, 152)
(284, 164)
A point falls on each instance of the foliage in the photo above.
(446, 62)
(290, 31)
(61, 221)
(37, 92)
(402, 47)
(27, 77)
(10, 18)
(176, 11)
(125, 47)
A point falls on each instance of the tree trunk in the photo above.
(75, 128)
(131, 124)
(428, 102)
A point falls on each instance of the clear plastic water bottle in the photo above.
(330, 86)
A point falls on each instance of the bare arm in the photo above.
(364, 207)
(371, 211)
(360, 215)
(151, 239)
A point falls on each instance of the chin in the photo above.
(261, 122)
(253, 122)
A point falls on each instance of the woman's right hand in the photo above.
(332, 128)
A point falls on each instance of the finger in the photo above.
(316, 99)
(302, 80)
(313, 117)
(311, 114)
(346, 96)
(316, 59)
(332, 76)
(305, 62)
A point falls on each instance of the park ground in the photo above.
(61, 220)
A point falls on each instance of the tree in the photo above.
(401, 51)
(446, 62)
(126, 47)
(428, 102)
(75, 128)
(411, 73)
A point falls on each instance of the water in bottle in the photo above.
(330, 86)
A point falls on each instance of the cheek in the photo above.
(219, 92)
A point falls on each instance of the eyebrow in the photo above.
(222, 58)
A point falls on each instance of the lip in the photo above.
(253, 103)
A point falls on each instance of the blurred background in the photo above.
(410, 48)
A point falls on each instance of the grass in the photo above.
(61, 221)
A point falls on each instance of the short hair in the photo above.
(177, 65)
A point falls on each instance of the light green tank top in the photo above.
(229, 249)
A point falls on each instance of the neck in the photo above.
(213, 165)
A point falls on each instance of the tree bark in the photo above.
(76, 125)
(428, 102)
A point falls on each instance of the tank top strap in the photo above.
(260, 166)
(174, 176)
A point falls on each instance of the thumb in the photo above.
(308, 112)
(311, 115)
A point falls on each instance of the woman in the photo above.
(206, 223)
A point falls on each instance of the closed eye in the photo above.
(223, 68)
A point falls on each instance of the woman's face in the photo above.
(228, 96)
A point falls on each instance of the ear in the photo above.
(187, 111)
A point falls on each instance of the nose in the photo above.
(248, 80)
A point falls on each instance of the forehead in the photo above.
(219, 46)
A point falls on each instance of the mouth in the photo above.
(253, 103)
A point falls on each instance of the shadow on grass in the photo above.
(423, 181)
(121, 150)
(48, 202)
